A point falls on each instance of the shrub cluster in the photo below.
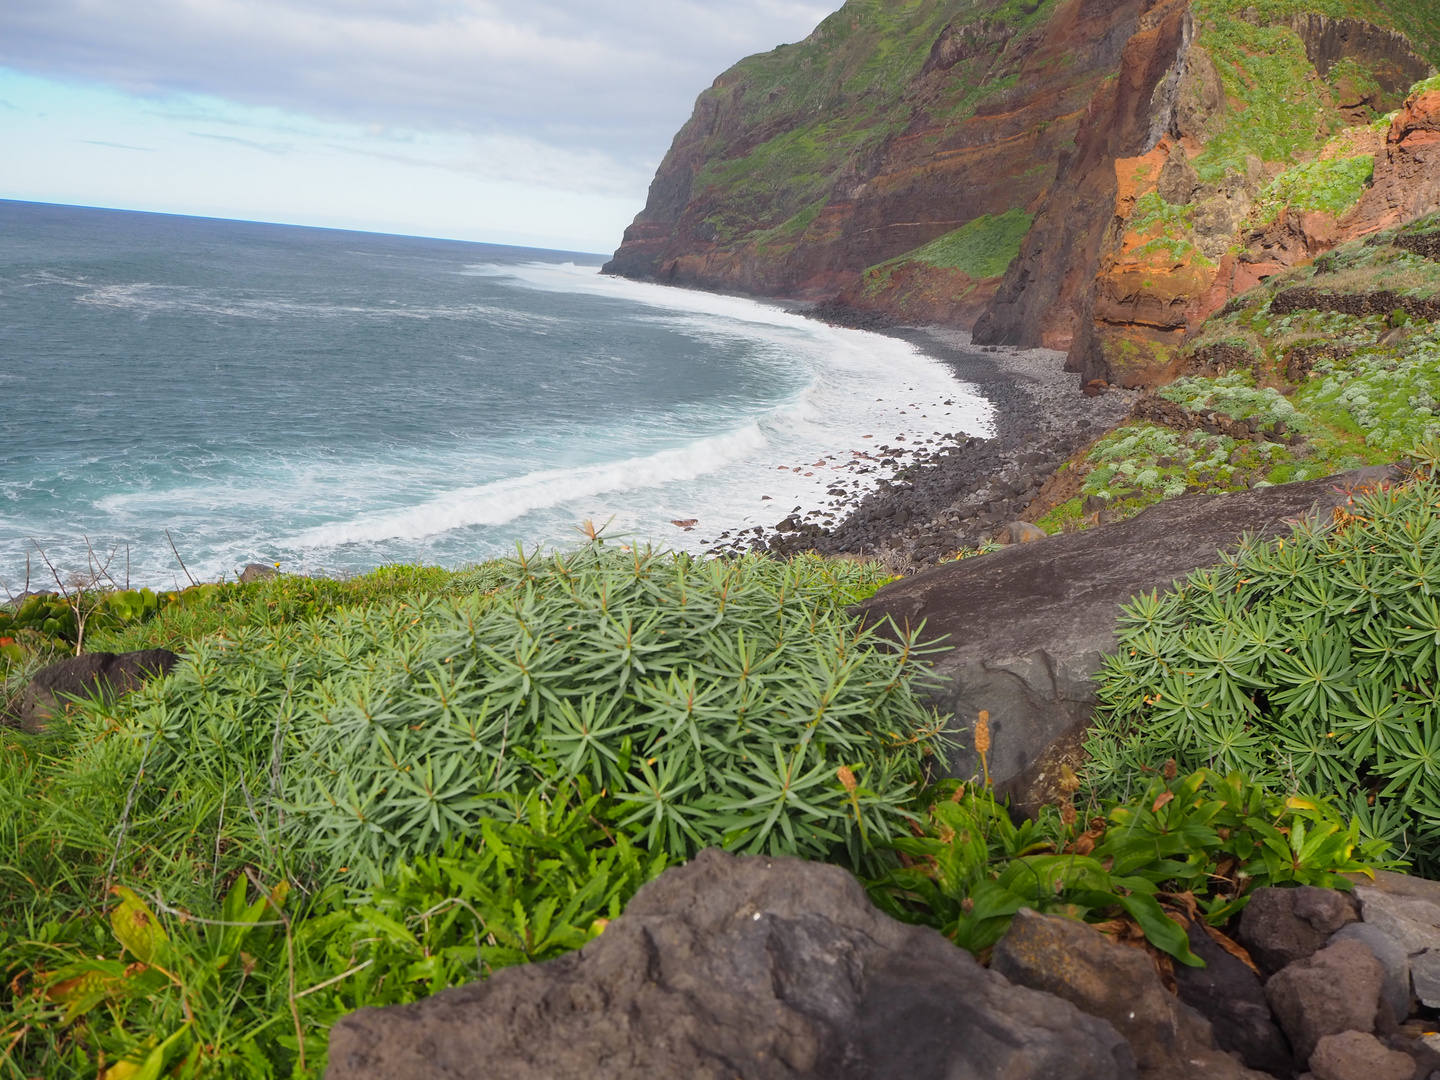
(1310, 663)
(1182, 847)
(715, 701)
(327, 806)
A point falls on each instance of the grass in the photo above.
(981, 248)
(1333, 186)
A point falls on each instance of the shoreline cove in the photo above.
(267, 395)
(943, 498)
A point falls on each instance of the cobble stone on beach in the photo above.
(959, 491)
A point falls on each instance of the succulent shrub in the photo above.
(1310, 662)
(709, 702)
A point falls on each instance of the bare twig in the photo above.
(7, 591)
(186, 917)
(259, 825)
(178, 559)
(336, 979)
(125, 813)
(97, 571)
(53, 572)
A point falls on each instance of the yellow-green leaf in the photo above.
(136, 926)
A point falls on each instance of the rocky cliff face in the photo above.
(1094, 175)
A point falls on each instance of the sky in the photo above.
(531, 122)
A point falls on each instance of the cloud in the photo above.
(119, 146)
(588, 92)
(265, 147)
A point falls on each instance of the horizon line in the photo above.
(300, 225)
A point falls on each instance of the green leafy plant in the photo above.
(1195, 845)
(715, 701)
(151, 990)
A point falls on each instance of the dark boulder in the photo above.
(738, 967)
(257, 572)
(101, 674)
(1280, 926)
(1031, 623)
(1358, 1055)
(1228, 994)
(1071, 960)
(1336, 990)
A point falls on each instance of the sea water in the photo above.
(331, 401)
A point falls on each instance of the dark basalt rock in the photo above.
(257, 572)
(1065, 957)
(1336, 990)
(738, 967)
(101, 674)
(1228, 994)
(1280, 926)
(1030, 624)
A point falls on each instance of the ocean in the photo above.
(332, 401)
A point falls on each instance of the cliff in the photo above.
(1094, 175)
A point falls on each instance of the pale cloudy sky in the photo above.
(530, 122)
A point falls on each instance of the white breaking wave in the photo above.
(863, 390)
(811, 404)
(503, 501)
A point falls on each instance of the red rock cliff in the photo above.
(1095, 175)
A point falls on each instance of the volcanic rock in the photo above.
(1414, 924)
(1356, 1055)
(1031, 623)
(91, 675)
(730, 967)
(1228, 994)
(1074, 961)
(1395, 993)
(1337, 989)
(1280, 926)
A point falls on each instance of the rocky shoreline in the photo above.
(956, 492)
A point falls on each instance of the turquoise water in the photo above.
(333, 400)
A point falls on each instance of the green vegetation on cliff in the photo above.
(804, 117)
(1333, 186)
(1333, 390)
(980, 249)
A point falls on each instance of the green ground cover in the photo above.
(1333, 185)
(981, 248)
(359, 792)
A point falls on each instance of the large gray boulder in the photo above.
(1031, 624)
(91, 675)
(1336, 990)
(739, 967)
